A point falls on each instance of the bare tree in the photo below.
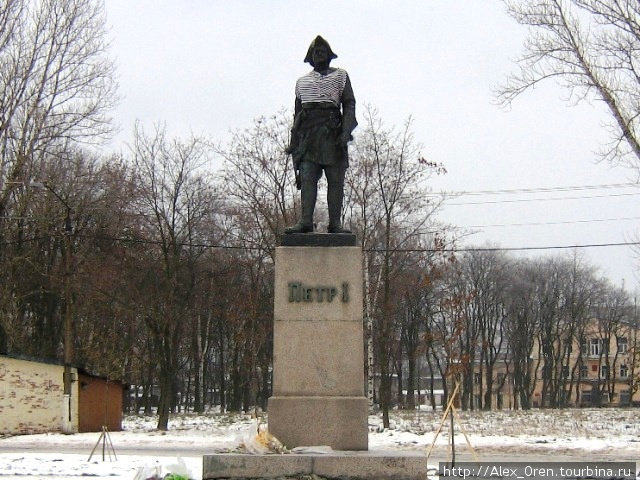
(487, 276)
(258, 178)
(57, 85)
(522, 330)
(581, 292)
(386, 188)
(612, 312)
(175, 201)
(549, 304)
(465, 329)
(591, 47)
(260, 190)
(417, 290)
(448, 332)
(56, 80)
(58, 251)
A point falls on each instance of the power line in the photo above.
(144, 241)
(402, 250)
(399, 250)
(505, 249)
(542, 199)
(567, 222)
(539, 189)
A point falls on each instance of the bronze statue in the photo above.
(325, 116)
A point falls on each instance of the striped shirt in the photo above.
(315, 87)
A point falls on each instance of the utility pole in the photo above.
(68, 321)
(67, 339)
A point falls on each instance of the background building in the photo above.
(32, 399)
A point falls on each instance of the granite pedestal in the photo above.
(318, 365)
(318, 370)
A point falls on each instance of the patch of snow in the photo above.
(585, 434)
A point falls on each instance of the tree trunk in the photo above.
(222, 377)
(411, 382)
(368, 328)
(488, 394)
(432, 382)
(401, 400)
(385, 394)
(197, 368)
(386, 330)
(164, 406)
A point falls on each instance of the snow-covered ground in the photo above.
(577, 435)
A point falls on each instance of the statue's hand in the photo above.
(343, 139)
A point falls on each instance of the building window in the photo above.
(565, 371)
(604, 371)
(624, 371)
(594, 349)
(584, 371)
(584, 347)
(623, 346)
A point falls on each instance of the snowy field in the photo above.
(539, 435)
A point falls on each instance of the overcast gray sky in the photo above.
(208, 66)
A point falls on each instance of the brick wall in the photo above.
(32, 397)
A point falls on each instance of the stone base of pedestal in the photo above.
(339, 422)
(340, 465)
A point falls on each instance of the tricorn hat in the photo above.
(318, 41)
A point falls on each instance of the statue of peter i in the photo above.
(325, 116)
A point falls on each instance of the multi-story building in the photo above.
(597, 366)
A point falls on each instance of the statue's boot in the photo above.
(337, 229)
(299, 228)
(334, 203)
(309, 192)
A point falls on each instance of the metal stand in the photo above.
(105, 438)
